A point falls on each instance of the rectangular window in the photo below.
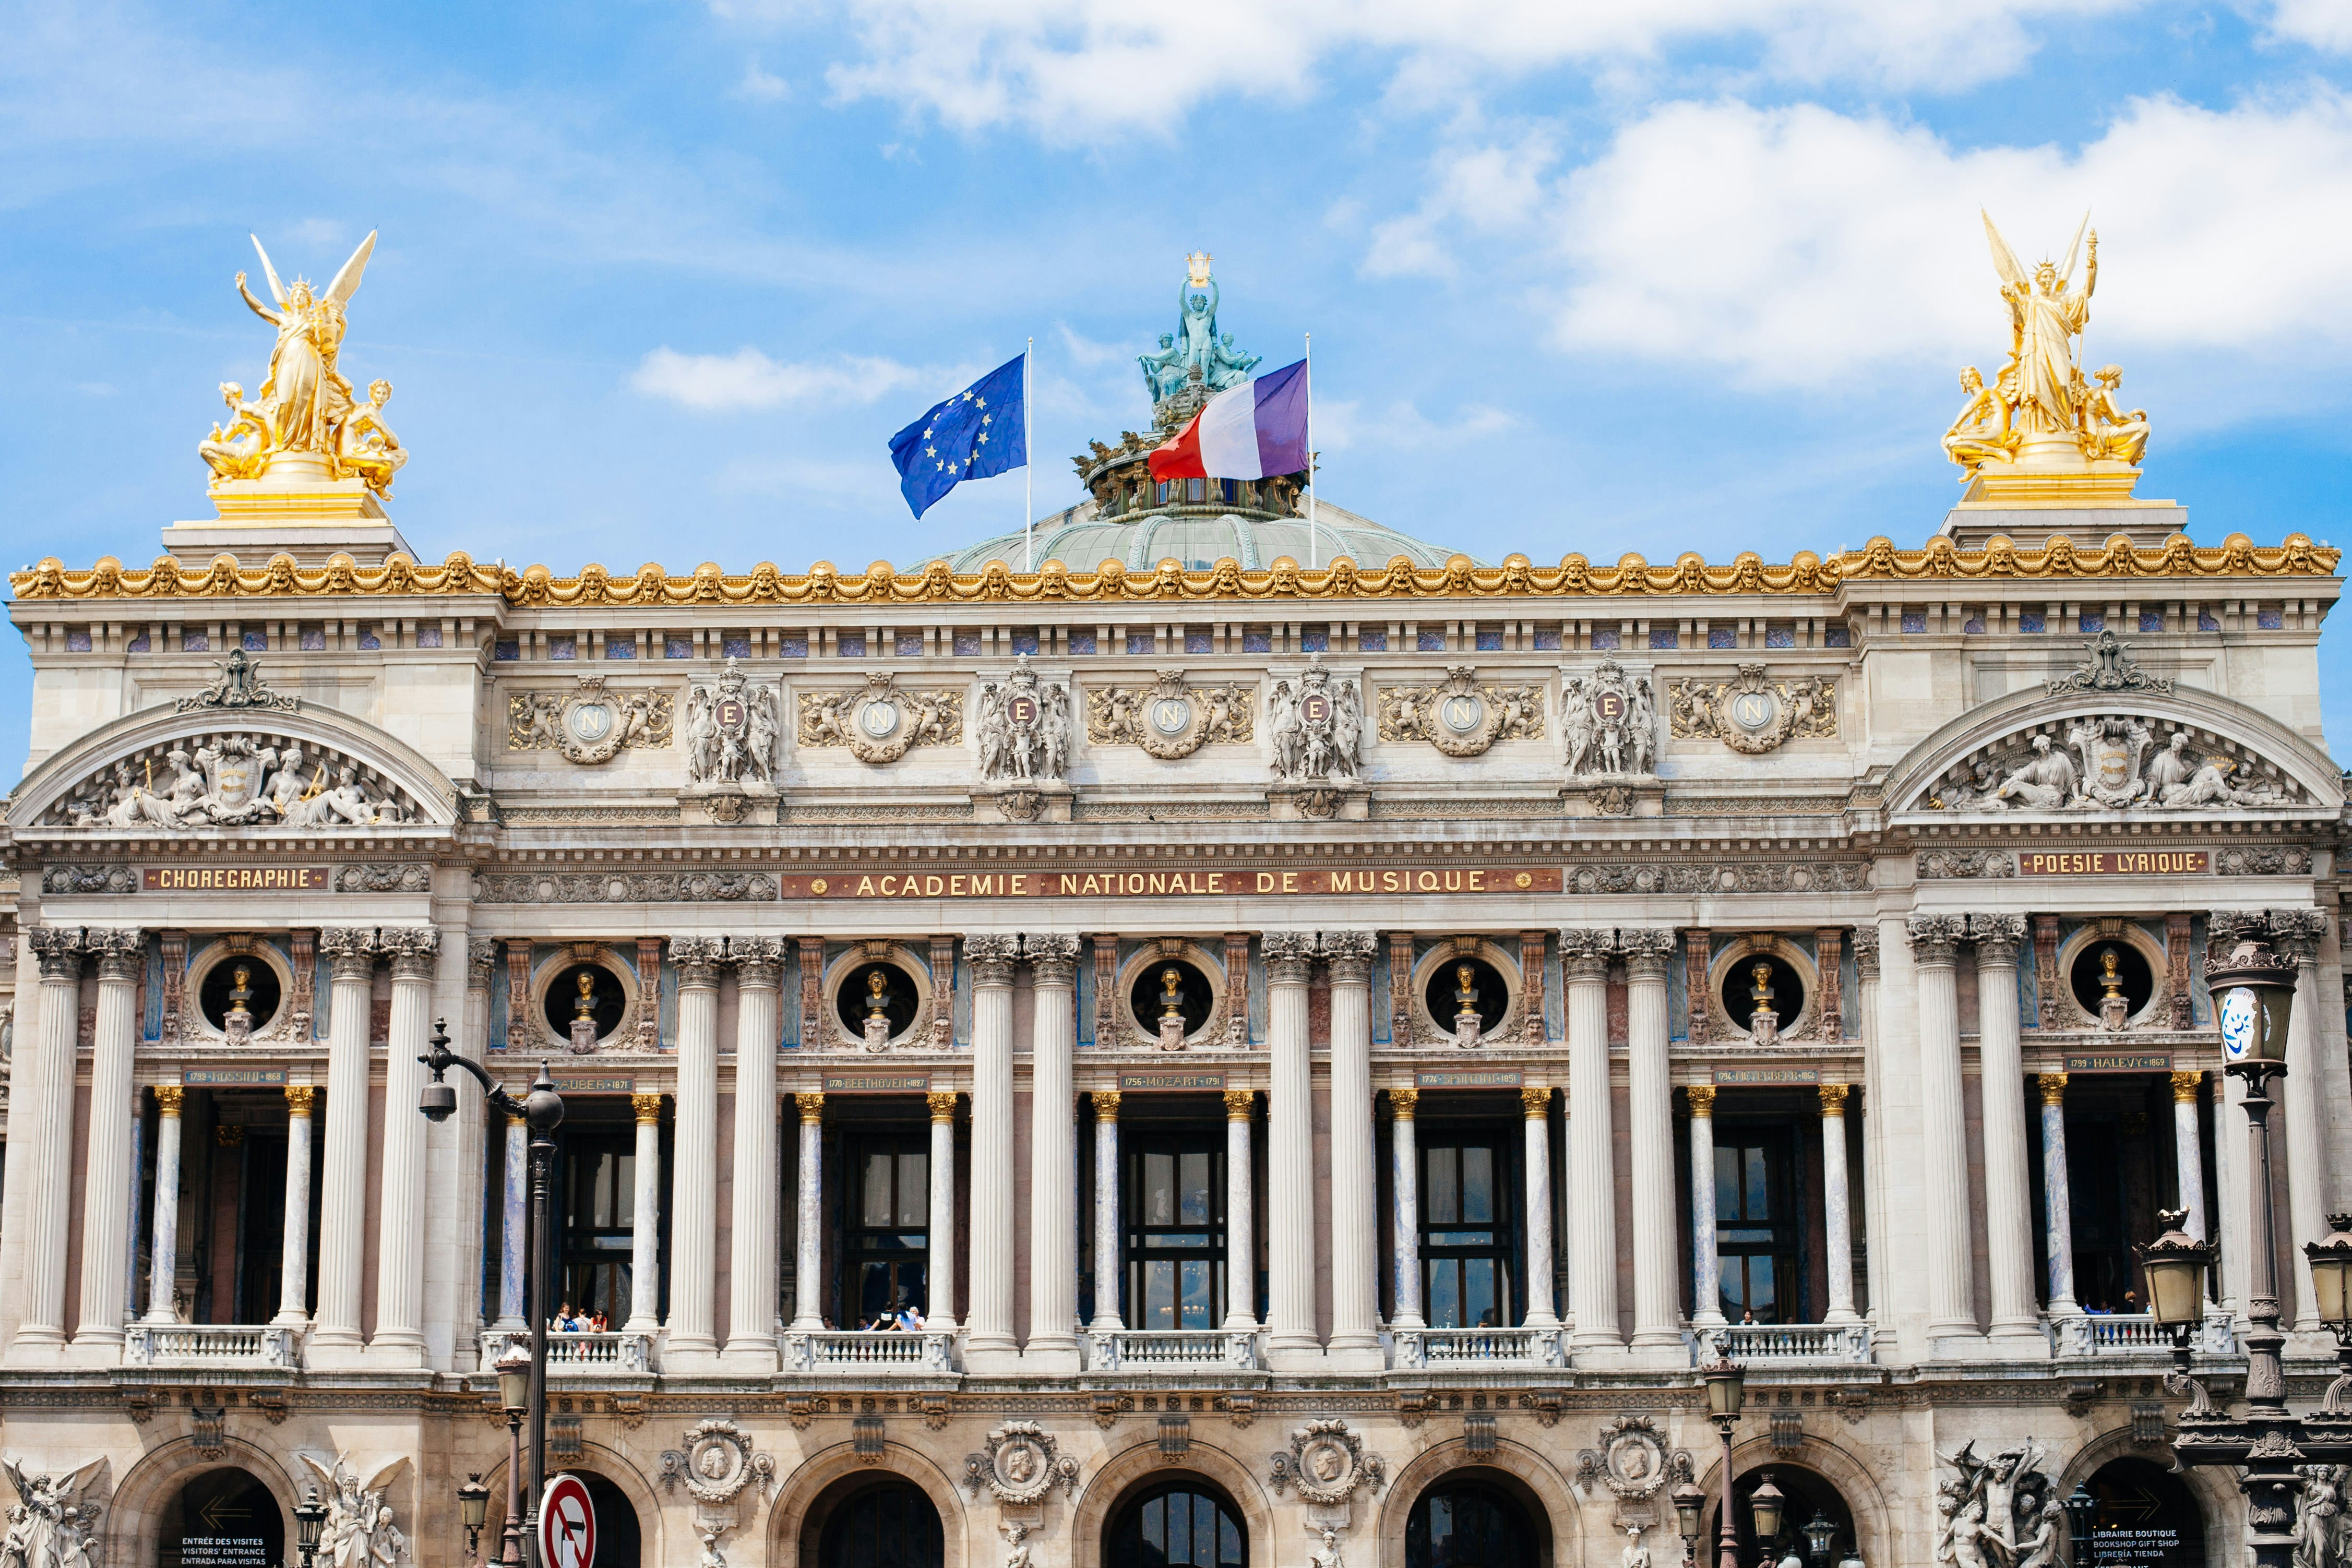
(1722, 637)
(1466, 1232)
(1755, 1224)
(852, 645)
(1173, 1197)
(1196, 489)
(599, 1185)
(886, 1243)
(620, 645)
(678, 647)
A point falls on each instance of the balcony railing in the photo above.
(868, 1350)
(223, 1345)
(1151, 1350)
(578, 1355)
(1848, 1343)
(1479, 1347)
(2136, 1333)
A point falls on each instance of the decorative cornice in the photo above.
(883, 584)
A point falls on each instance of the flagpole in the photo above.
(1314, 545)
(1028, 468)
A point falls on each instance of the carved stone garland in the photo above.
(1460, 717)
(879, 723)
(1169, 719)
(1750, 714)
(590, 724)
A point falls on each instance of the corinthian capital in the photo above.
(481, 958)
(1349, 953)
(1585, 952)
(1997, 937)
(350, 949)
(1053, 957)
(992, 955)
(411, 950)
(1936, 938)
(758, 960)
(1864, 943)
(119, 951)
(698, 959)
(58, 949)
(1647, 949)
(1288, 957)
(2297, 932)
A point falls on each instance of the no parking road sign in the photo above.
(567, 1524)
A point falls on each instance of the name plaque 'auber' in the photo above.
(2114, 862)
(1756, 1077)
(878, 1083)
(1496, 1078)
(233, 879)
(1169, 1082)
(1320, 880)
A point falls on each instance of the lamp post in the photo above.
(1690, 1511)
(2081, 1522)
(1726, 1395)
(2254, 996)
(310, 1522)
(1764, 1505)
(542, 1111)
(514, 1396)
(1818, 1536)
(473, 1512)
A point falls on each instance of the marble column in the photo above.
(106, 1199)
(514, 1219)
(1591, 1164)
(2188, 1151)
(294, 1252)
(751, 1290)
(1241, 1205)
(1290, 1155)
(400, 1240)
(2296, 934)
(1864, 943)
(940, 1261)
(1535, 1105)
(43, 1120)
(808, 1257)
(694, 1164)
(1837, 1205)
(164, 1253)
(1706, 1261)
(1650, 1107)
(343, 1148)
(2009, 1197)
(1404, 1167)
(988, 1344)
(1106, 1227)
(1355, 1187)
(1053, 1344)
(1943, 1153)
(2057, 1198)
(644, 1221)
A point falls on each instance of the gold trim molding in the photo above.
(1517, 577)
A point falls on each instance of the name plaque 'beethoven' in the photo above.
(1331, 882)
(2114, 862)
(878, 1083)
(233, 879)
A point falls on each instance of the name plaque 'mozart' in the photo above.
(1321, 881)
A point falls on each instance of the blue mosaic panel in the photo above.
(1023, 642)
(1082, 641)
(1371, 642)
(1314, 642)
(2091, 621)
(1722, 637)
(312, 640)
(1779, 636)
(735, 647)
(1489, 640)
(1605, 637)
(1913, 620)
(620, 645)
(967, 644)
(141, 643)
(1974, 625)
(1837, 637)
(910, 645)
(1429, 642)
(1547, 642)
(255, 641)
(1257, 642)
(2206, 621)
(507, 651)
(2028, 620)
(1664, 637)
(192, 642)
(428, 636)
(683, 647)
(2268, 620)
(561, 647)
(2151, 620)
(1196, 641)
(370, 642)
(852, 645)
(1140, 642)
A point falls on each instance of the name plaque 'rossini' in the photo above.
(1320, 880)
(2114, 862)
(233, 879)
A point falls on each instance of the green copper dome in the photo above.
(1082, 539)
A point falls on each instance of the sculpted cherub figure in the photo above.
(365, 445)
(1981, 433)
(240, 450)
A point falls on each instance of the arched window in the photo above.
(1469, 1525)
(1180, 1523)
(892, 1525)
(217, 1514)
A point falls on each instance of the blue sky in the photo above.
(657, 281)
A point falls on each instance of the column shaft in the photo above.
(808, 1257)
(294, 1253)
(694, 1170)
(1706, 1261)
(751, 1290)
(1290, 1152)
(400, 1240)
(2057, 1200)
(1241, 1202)
(106, 1199)
(2296, 934)
(514, 1219)
(1591, 1175)
(1873, 1170)
(1536, 1103)
(1355, 1187)
(43, 1119)
(2009, 1199)
(1405, 1166)
(1650, 1105)
(2188, 1151)
(342, 1206)
(645, 1220)
(939, 1262)
(1106, 1227)
(1053, 1154)
(988, 1344)
(1934, 940)
(163, 1256)
(1837, 1205)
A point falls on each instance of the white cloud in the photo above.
(1070, 69)
(2323, 23)
(1803, 248)
(1343, 422)
(1482, 189)
(766, 87)
(748, 378)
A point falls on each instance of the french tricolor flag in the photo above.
(1253, 431)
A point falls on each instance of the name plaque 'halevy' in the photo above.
(2119, 1062)
(1320, 880)
(2114, 862)
(233, 879)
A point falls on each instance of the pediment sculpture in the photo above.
(1751, 712)
(1459, 717)
(880, 723)
(240, 778)
(55, 1521)
(591, 724)
(731, 727)
(1024, 727)
(1169, 719)
(1328, 1464)
(1021, 1464)
(1608, 722)
(2108, 762)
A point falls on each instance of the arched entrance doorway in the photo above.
(223, 1517)
(874, 1522)
(1810, 1508)
(619, 1542)
(1177, 1522)
(2147, 1519)
(1476, 1518)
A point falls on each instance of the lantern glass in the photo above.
(2253, 998)
(514, 1379)
(1690, 1509)
(1765, 1505)
(2331, 1274)
(1818, 1536)
(2175, 1290)
(1727, 1388)
(473, 1502)
(309, 1520)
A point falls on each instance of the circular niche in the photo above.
(1739, 986)
(901, 998)
(2104, 962)
(216, 992)
(608, 1000)
(1148, 997)
(1490, 993)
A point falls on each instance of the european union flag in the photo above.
(974, 435)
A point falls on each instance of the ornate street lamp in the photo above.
(1690, 1511)
(1726, 1395)
(2081, 1522)
(1764, 1505)
(543, 1110)
(473, 1512)
(1818, 1536)
(310, 1522)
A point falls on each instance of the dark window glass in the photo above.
(600, 1189)
(886, 1243)
(1174, 1192)
(1178, 1524)
(889, 1526)
(1467, 1526)
(1755, 1224)
(1465, 1230)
